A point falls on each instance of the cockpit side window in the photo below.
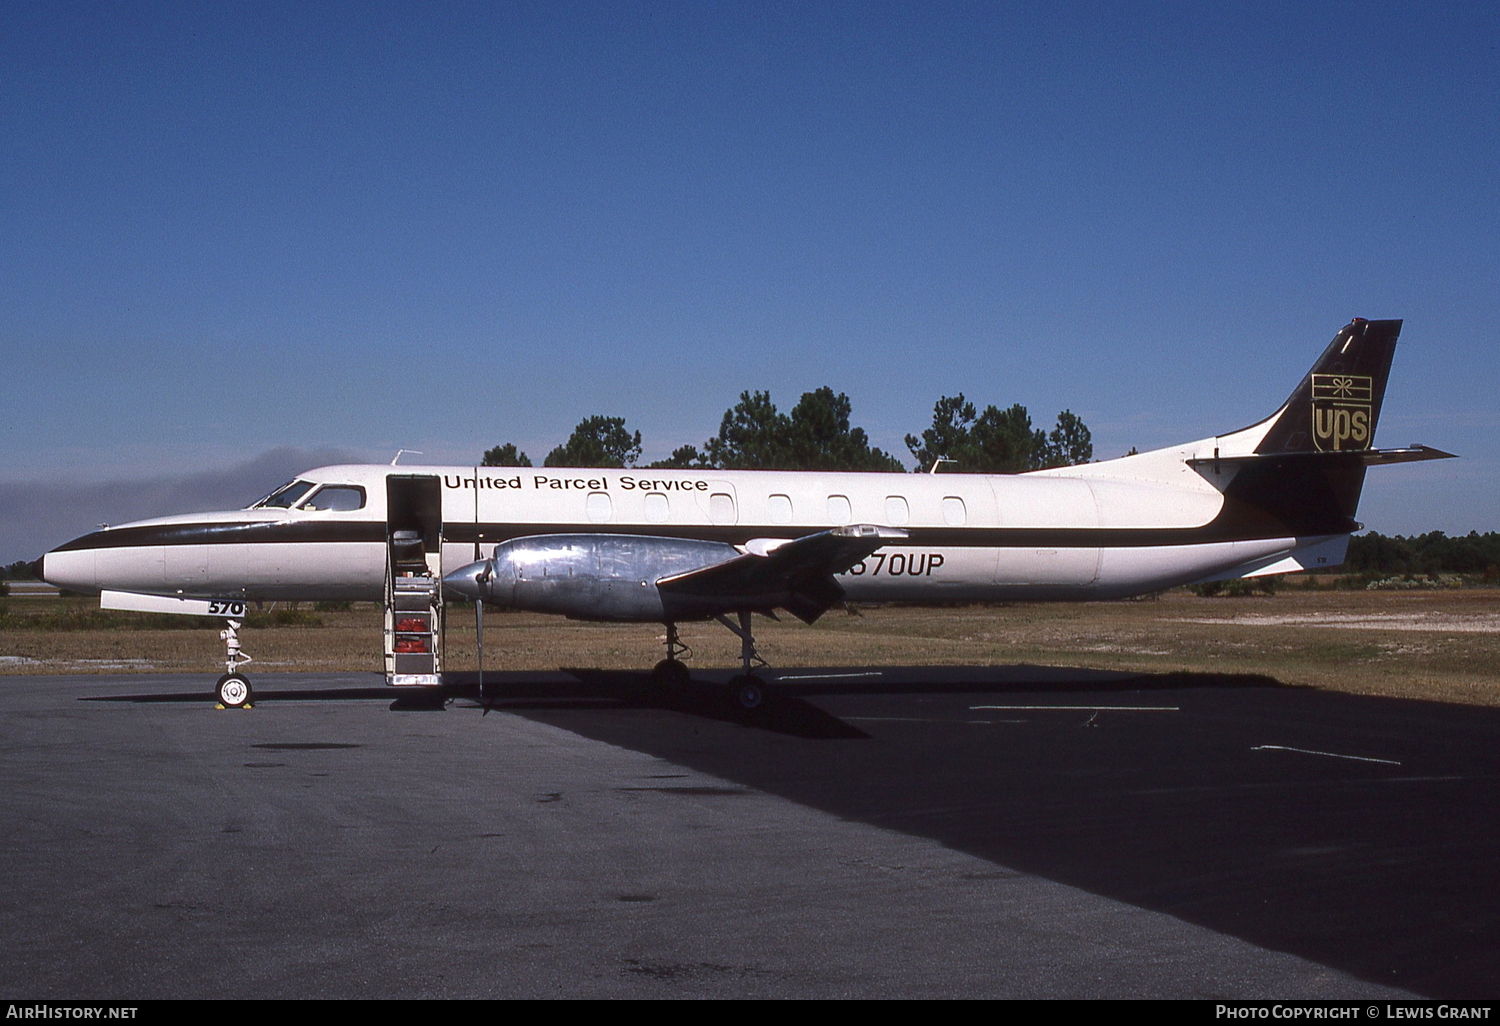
(338, 498)
(286, 496)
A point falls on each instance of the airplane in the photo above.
(672, 546)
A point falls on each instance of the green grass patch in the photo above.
(69, 616)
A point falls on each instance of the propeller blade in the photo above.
(481, 580)
(479, 614)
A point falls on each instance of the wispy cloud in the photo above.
(38, 515)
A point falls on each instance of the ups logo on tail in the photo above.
(1341, 411)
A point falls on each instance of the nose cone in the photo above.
(71, 566)
(468, 582)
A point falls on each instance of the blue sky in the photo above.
(230, 229)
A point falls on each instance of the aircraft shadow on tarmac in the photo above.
(785, 711)
(1356, 831)
(1359, 832)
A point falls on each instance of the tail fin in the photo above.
(1305, 474)
(1337, 405)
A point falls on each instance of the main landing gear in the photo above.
(747, 690)
(233, 689)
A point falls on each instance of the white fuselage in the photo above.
(1103, 530)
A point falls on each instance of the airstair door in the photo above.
(413, 580)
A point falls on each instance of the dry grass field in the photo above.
(1437, 644)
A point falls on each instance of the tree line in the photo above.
(817, 435)
(1430, 553)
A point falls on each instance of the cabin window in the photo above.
(286, 496)
(337, 498)
(599, 508)
(838, 509)
(657, 508)
(897, 513)
(954, 513)
(780, 508)
(721, 508)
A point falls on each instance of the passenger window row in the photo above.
(722, 509)
(600, 508)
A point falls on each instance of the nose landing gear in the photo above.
(233, 689)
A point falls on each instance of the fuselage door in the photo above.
(414, 502)
(414, 573)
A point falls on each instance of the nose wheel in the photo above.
(233, 691)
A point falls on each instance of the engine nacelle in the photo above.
(584, 576)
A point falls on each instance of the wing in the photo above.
(797, 576)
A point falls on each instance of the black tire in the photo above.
(671, 673)
(749, 692)
(233, 691)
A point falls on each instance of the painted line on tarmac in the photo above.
(829, 676)
(921, 719)
(1331, 755)
(1086, 708)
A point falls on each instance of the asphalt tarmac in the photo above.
(871, 832)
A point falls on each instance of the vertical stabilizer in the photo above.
(1336, 406)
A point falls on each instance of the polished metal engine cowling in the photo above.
(585, 576)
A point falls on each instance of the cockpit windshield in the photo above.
(286, 496)
(337, 498)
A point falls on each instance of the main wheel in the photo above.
(749, 692)
(233, 691)
(671, 673)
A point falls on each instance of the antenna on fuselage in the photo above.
(939, 462)
(401, 452)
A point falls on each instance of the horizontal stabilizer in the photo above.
(1411, 454)
(1363, 457)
